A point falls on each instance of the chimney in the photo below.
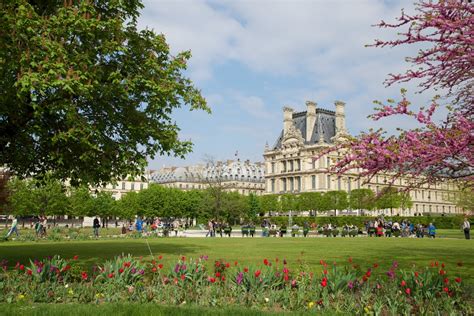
(340, 117)
(310, 119)
(287, 118)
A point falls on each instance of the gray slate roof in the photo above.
(325, 124)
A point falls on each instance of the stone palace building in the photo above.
(243, 177)
(289, 164)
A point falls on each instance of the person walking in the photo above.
(466, 226)
(432, 230)
(14, 228)
(96, 226)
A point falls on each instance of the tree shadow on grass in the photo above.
(94, 252)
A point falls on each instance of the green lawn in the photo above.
(309, 251)
(124, 309)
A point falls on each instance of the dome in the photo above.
(232, 170)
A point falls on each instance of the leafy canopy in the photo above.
(85, 95)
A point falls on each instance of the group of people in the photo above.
(381, 227)
(215, 227)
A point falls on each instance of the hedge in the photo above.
(444, 222)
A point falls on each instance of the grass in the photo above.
(297, 251)
(124, 309)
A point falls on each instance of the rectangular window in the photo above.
(141, 186)
(292, 184)
(284, 184)
(299, 183)
(291, 166)
(283, 166)
(123, 185)
(298, 165)
(328, 178)
(328, 162)
(313, 163)
(273, 185)
(339, 183)
(313, 182)
(273, 167)
(349, 185)
(132, 186)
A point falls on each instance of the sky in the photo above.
(252, 58)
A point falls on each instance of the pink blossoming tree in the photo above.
(436, 150)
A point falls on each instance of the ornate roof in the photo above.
(231, 170)
(325, 125)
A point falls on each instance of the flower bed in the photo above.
(270, 286)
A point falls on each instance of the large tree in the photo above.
(362, 199)
(85, 95)
(336, 200)
(435, 151)
(31, 197)
(311, 201)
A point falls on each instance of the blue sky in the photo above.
(251, 58)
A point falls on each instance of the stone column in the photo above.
(287, 118)
(310, 119)
(340, 117)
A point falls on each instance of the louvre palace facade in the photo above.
(243, 177)
(290, 167)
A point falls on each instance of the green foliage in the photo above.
(289, 202)
(335, 200)
(311, 201)
(234, 207)
(85, 94)
(80, 200)
(253, 208)
(269, 203)
(103, 205)
(465, 199)
(362, 199)
(32, 197)
(390, 198)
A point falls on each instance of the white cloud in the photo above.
(320, 43)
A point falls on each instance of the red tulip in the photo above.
(183, 277)
(246, 269)
(257, 273)
(153, 269)
(446, 290)
(324, 282)
(22, 267)
(403, 283)
(111, 275)
(120, 270)
(408, 291)
(265, 262)
(458, 280)
(446, 281)
(218, 274)
(75, 257)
